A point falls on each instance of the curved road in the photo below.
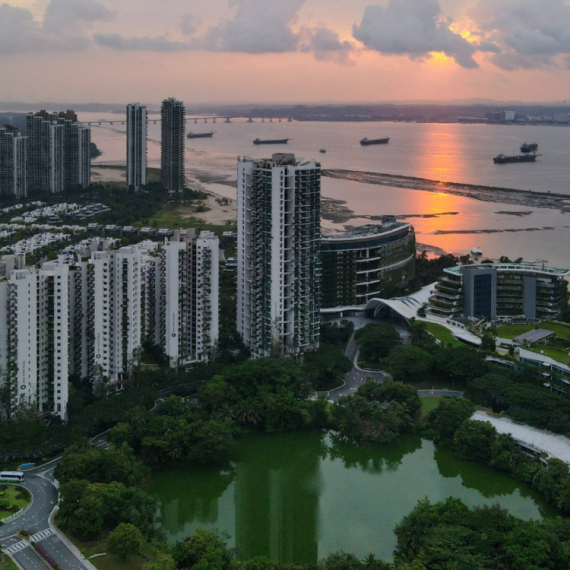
(36, 521)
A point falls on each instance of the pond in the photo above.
(300, 497)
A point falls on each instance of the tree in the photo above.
(446, 419)
(85, 461)
(460, 365)
(408, 363)
(376, 411)
(488, 342)
(326, 366)
(202, 548)
(162, 562)
(125, 540)
(474, 440)
(376, 341)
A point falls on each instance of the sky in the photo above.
(289, 51)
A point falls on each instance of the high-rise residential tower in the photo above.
(278, 254)
(136, 145)
(57, 157)
(181, 297)
(12, 163)
(172, 149)
(34, 329)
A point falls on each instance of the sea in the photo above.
(532, 223)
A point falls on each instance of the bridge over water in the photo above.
(195, 119)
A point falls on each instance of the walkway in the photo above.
(554, 445)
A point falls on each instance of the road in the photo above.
(356, 377)
(36, 521)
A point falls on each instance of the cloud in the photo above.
(259, 26)
(414, 28)
(188, 24)
(327, 46)
(530, 34)
(142, 43)
(60, 14)
(20, 33)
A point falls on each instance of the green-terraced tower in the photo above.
(279, 262)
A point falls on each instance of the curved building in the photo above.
(366, 262)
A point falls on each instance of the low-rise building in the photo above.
(491, 290)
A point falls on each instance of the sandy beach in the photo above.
(108, 173)
(219, 209)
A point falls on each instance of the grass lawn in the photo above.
(107, 562)
(10, 496)
(443, 334)
(9, 564)
(553, 352)
(429, 404)
(174, 216)
(512, 331)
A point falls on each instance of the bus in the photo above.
(11, 477)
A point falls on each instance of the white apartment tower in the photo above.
(181, 297)
(22, 343)
(127, 311)
(12, 163)
(188, 299)
(53, 338)
(34, 337)
(136, 145)
(113, 314)
(278, 288)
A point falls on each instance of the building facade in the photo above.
(113, 314)
(12, 163)
(172, 145)
(279, 261)
(53, 338)
(136, 145)
(58, 153)
(181, 297)
(491, 290)
(34, 337)
(366, 263)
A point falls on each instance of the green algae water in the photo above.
(299, 497)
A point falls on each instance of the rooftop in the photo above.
(535, 335)
(553, 444)
(366, 231)
(514, 267)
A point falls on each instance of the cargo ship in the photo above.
(271, 141)
(502, 159)
(532, 147)
(367, 142)
(200, 135)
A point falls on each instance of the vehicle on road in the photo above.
(11, 476)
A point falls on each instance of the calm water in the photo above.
(449, 152)
(300, 497)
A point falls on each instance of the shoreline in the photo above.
(511, 196)
(222, 209)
